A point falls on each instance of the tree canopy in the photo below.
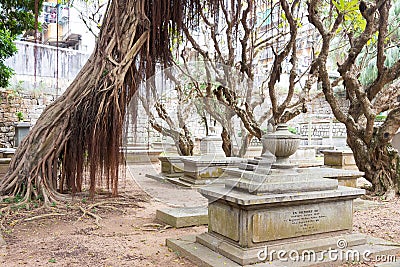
(369, 32)
(16, 16)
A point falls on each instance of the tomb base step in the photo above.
(218, 252)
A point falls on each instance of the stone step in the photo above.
(183, 217)
(201, 255)
(253, 161)
(247, 166)
(197, 253)
(283, 186)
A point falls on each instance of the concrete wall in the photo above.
(70, 63)
(29, 98)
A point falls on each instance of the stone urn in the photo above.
(281, 143)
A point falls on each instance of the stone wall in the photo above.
(12, 102)
(29, 94)
(322, 129)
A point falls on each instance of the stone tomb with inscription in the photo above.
(281, 210)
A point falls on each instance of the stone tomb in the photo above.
(206, 169)
(344, 177)
(282, 210)
(194, 171)
(140, 154)
(183, 217)
(171, 165)
(343, 159)
(211, 145)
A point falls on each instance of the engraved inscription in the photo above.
(305, 220)
(287, 222)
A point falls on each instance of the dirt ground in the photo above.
(128, 235)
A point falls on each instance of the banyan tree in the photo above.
(77, 138)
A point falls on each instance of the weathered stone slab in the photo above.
(212, 145)
(171, 164)
(198, 254)
(344, 177)
(279, 187)
(207, 167)
(191, 183)
(280, 223)
(225, 221)
(339, 158)
(219, 253)
(247, 166)
(7, 152)
(273, 175)
(183, 217)
(167, 147)
(141, 156)
(251, 255)
(246, 199)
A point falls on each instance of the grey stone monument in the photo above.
(273, 210)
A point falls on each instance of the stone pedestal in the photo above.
(339, 159)
(211, 145)
(21, 130)
(282, 210)
(249, 222)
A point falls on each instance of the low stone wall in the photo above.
(322, 129)
(12, 102)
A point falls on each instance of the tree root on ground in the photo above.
(43, 216)
(25, 212)
(98, 218)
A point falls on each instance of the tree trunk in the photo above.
(186, 144)
(246, 139)
(380, 162)
(226, 142)
(84, 125)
